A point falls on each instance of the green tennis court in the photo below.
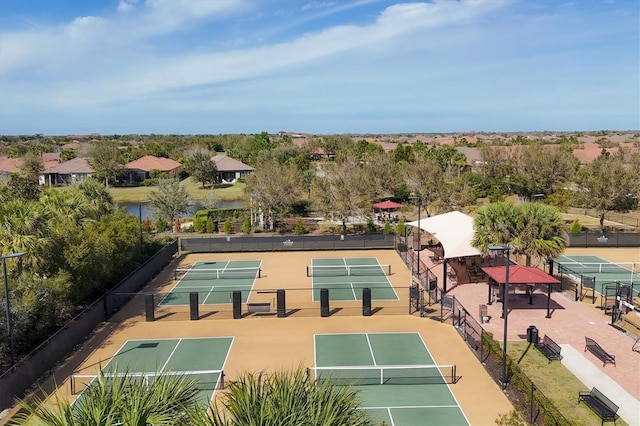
(346, 277)
(146, 359)
(397, 379)
(605, 272)
(214, 282)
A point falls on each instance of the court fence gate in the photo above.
(423, 279)
(536, 407)
(585, 286)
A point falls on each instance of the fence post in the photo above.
(533, 387)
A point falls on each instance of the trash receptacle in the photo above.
(532, 334)
(484, 315)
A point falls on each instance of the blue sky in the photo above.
(322, 67)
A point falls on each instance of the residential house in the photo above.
(73, 171)
(141, 169)
(229, 169)
(9, 165)
(50, 159)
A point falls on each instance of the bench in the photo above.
(593, 347)
(549, 348)
(258, 307)
(600, 404)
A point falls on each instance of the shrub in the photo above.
(228, 226)
(576, 226)
(372, 228)
(299, 227)
(387, 228)
(209, 226)
(246, 226)
(161, 225)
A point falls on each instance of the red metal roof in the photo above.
(520, 275)
(388, 204)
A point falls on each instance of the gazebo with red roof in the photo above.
(521, 275)
(387, 205)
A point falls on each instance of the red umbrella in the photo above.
(387, 205)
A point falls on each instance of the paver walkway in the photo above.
(583, 369)
(570, 322)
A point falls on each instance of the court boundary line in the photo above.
(315, 360)
(175, 348)
(373, 356)
(601, 281)
(411, 406)
(355, 298)
(259, 267)
(446, 384)
(179, 340)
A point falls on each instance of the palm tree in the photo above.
(23, 229)
(531, 229)
(496, 224)
(120, 400)
(285, 398)
(541, 233)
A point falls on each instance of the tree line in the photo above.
(76, 245)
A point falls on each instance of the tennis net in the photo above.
(216, 274)
(386, 375)
(347, 270)
(206, 379)
(603, 268)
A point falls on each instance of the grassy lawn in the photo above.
(233, 192)
(556, 382)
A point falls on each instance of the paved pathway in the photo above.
(583, 369)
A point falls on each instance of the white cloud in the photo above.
(411, 59)
(125, 6)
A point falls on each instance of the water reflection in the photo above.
(149, 212)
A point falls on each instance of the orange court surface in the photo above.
(263, 342)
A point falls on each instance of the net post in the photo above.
(72, 387)
(382, 376)
(308, 271)
(259, 273)
(221, 380)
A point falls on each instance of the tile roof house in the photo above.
(140, 169)
(229, 169)
(9, 165)
(72, 171)
(50, 159)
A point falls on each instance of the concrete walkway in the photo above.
(591, 376)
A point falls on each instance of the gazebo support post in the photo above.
(489, 301)
(444, 276)
(548, 301)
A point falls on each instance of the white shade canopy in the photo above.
(454, 230)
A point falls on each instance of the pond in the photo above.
(195, 205)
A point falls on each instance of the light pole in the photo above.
(419, 244)
(6, 301)
(505, 312)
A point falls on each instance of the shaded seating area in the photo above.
(520, 277)
(454, 231)
(385, 209)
